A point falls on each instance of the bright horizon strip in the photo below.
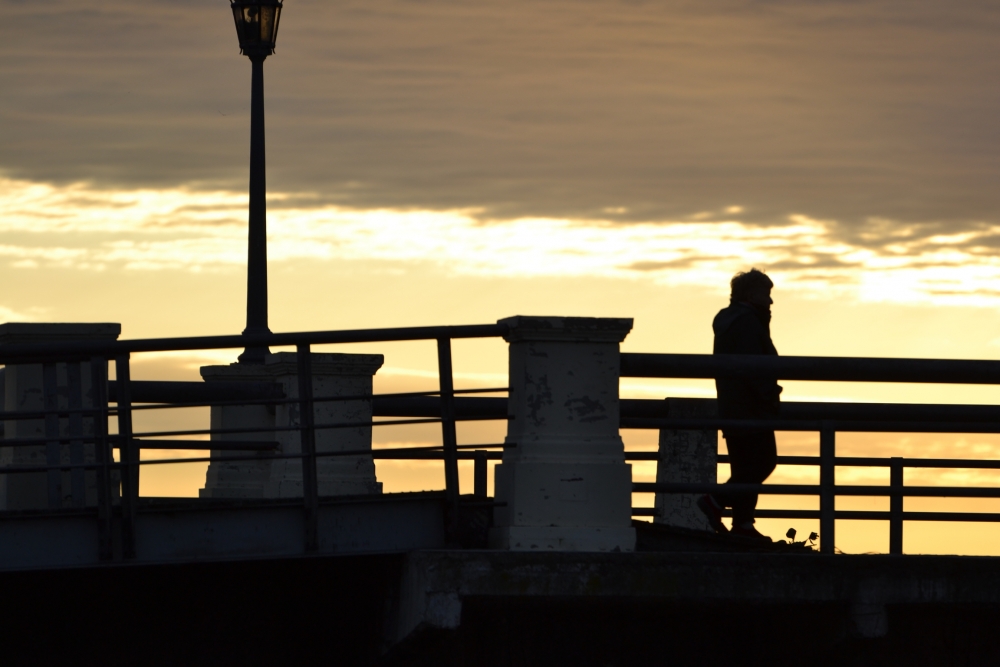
(88, 229)
(85, 228)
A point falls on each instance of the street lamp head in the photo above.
(256, 25)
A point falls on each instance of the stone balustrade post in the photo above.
(333, 375)
(23, 391)
(239, 479)
(563, 478)
(688, 456)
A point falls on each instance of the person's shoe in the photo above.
(712, 513)
(749, 531)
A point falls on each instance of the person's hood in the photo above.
(728, 315)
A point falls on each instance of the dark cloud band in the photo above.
(630, 111)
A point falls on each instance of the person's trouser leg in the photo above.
(752, 458)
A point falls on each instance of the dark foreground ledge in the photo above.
(702, 577)
(503, 609)
(695, 608)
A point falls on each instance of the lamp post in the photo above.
(257, 28)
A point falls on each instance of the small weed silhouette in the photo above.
(809, 542)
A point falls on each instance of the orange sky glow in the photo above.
(441, 163)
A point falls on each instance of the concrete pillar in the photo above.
(23, 391)
(333, 375)
(686, 456)
(239, 479)
(565, 481)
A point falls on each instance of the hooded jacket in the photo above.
(741, 329)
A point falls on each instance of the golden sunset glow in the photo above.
(184, 229)
(434, 166)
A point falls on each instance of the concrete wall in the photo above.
(686, 456)
(23, 391)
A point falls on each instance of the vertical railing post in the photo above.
(827, 492)
(78, 476)
(449, 437)
(896, 505)
(102, 454)
(480, 473)
(50, 401)
(310, 483)
(127, 456)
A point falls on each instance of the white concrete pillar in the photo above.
(565, 482)
(239, 479)
(23, 391)
(689, 456)
(332, 375)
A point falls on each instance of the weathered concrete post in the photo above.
(564, 478)
(686, 456)
(23, 390)
(239, 479)
(333, 375)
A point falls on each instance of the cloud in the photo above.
(551, 109)
(81, 227)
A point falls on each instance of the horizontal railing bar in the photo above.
(378, 453)
(375, 398)
(847, 515)
(488, 407)
(788, 514)
(878, 462)
(238, 445)
(83, 350)
(855, 515)
(437, 456)
(385, 453)
(860, 515)
(951, 516)
(942, 463)
(37, 442)
(636, 408)
(114, 437)
(17, 415)
(827, 369)
(853, 461)
(858, 426)
(282, 429)
(66, 439)
(814, 489)
(693, 487)
(375, 453)
(466, 407)
(427, 403)
(318, 427)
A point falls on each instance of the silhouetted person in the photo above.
(744, 328)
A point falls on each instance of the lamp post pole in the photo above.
(257, 234)
(257, 28)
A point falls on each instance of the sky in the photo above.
(440, 162)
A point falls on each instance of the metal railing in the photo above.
(123, 474)
(65, 442)
(899, 418)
